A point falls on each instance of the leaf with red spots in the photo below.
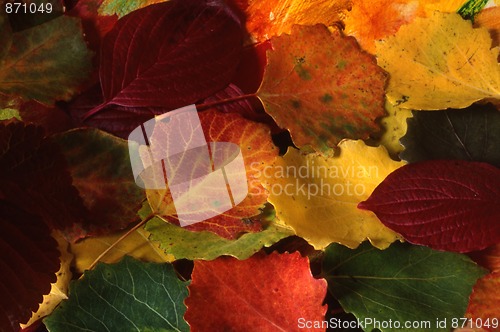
(29, 263)
(168, 55)
(262, 293)
(257, 151)
(322, 88)
(446, 205)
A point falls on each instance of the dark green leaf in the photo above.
(127, 296)
(470, 134)
(403, 283)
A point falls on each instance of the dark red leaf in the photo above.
(446, 205)
(29, 263)
(34, 175)
(169, 55)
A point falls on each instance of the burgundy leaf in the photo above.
(34, 176)
(29, 263)
(446, 205)
(169, 55)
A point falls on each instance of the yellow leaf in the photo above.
(318, 196)
(439, 62)
(444, 6)
(59, 289)
(136, 245)
(395, 127)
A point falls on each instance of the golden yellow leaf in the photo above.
(59, 289)
(439, 62)
(266, 19)
(395, 127)
(428, 7)
(318, 196)
(136, 245)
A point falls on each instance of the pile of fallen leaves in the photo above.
(370, 133)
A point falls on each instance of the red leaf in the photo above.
(169, 55)
(33, 175)
(29, 263)
(262, 293)
(446, 205)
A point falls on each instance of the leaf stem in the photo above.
(130, 231)
(93, 111)
(201, 107)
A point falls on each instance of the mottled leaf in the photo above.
(446, 205)
(317, 196)
(127, 296)
(403, 283)
(322, 88)
(99, 164)
(257, 151)
(29, 262)
(47, 62)
(262, 293)
(123, 7)
(168, 55)
(439, 62)
(471, 134)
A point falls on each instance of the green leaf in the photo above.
(471, 134)
(403, 283)
(123, 7)
(99, 164)
(47, 62)
(182, 243)
(471, 8)
(127, 296)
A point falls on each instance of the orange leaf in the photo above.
(322, 87)
(483, 303)
(262, 293)
(257, 150)
(266, 19)
(489, 19)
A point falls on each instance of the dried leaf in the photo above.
(322, 88)
(271, 293)
(440, 62)
(317, 196)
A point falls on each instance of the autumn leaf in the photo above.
(22, 20)
(267, 19)
(178, 241)
(34, 176)
(47, 63)
(322, 88)
(133, 296)
(155, 48)
(471, 134)
(488, 258)
(483, 305)
(270, 293)
(400, 284)
(488, 18)
(394, 127)
(257, 151)
(5, 34)
(317, 196)
(135, 245)
(451, 65)
(29, 257)
(99, 164)
(122, 8)
(446, 204)
(59, 289)
(471, 8)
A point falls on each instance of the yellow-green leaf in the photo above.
(318, 196)
(440, 62)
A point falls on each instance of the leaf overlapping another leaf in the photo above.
(403, 283)
(446, 204)
(322, 88)
(134, 296)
